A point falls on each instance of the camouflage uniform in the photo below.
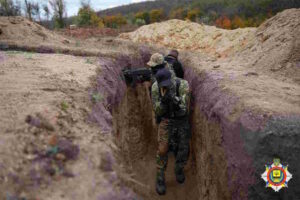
(173, 132)
(157, 59)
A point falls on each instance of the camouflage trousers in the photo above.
(173, 136)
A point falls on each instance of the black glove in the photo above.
(165, 99)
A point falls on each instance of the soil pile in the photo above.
(21, 29)
(184, 35)
(275, 49)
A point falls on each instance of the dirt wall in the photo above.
(230, 143)
(234, 143)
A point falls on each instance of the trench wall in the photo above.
(230, 156)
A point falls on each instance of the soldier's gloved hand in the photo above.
(176, 100)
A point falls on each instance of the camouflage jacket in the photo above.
(184, 95)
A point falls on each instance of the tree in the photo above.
(178, 13)
(28, 9)
(9, 8)
(114, 21)
(88, 17)
(156, 15)
(140, 22)
(226, 23)
(223, 22)
(46, 11)
(36, 10)
(238, 22)
(59, 9)
(143, 16)
(193, 14)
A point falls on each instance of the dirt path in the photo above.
(146, 173)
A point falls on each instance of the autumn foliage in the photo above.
(114, 21)
(156, 15)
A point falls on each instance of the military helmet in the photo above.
(156, 59)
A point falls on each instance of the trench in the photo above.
(227, 157)
(127, 113)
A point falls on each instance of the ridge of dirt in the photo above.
(20, 28)
(18, 33)
(184, 35)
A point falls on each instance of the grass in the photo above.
(64, 106)
(13, 52)
(28, 55)
(97, 97)
(89, 61)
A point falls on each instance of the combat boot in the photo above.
(180, 178)
(160, 183)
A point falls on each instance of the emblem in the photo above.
(276, 175)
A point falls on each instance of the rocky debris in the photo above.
(53, 160)
(40, 122)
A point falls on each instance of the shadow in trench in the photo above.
(135, 134)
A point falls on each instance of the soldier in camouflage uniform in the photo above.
(170, 98)
(157, 62)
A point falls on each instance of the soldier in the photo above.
(170, 103)
(172, 60)
(156, 63)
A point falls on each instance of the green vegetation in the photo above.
(64, 106)
(89, 61)
(97, 97)
(88, 17)
(229, 14)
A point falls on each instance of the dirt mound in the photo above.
(275, 49)
(186, 35)
(19, 28)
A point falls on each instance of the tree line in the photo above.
(228, 14)
(33, 10)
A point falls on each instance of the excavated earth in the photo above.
(245, 112)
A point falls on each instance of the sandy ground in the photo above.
(56, 87)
